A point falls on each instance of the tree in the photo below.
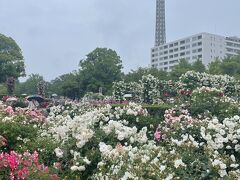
(99, 70)
(11, 59)
(41, 87)
(10, 85)
(231, 66)
(66, 85)
(214, 67)
(136, 75)
(30, 86)
(198, 66)
(180, 69)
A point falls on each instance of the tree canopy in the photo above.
(185, 66)
(30, 86)
(229, 66)
(136, 75)
(11, 59)
(99, 70)
(65, 85)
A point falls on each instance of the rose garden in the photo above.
(183, 129)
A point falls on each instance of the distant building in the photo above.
(203, 46)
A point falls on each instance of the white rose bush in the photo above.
(189, 129)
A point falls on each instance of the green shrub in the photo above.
(17, 135)
(212, 102)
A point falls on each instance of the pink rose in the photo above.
(157, 135)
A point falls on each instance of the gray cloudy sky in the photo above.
(55, 34)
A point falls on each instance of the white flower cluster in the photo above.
(148, 90)
(121, 88)
(192, 80)
(223, 136)
(81, 128)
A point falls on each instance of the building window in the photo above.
(171, 51)
(188, 52)
(182, 42)
(194, 38)
(166, 46)
(199, 56)
(182, 48)
(200, 50)
(200, 37)
(194, 44)
(171, 56)
(165, 63)
(165, 58)
(170, 45)
(165, 52)
(194, 51)
(176, 49)
(174, 61)
(199, 43)
(194, 57)
(176, 44)
(182, 54)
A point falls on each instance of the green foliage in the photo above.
(66, 85)
(229, 66)
(210, 103)
(157, 111)
(100, 69)
(180, 69)
(214, 67)
(185, 66)
(3, 89)
(16, 133)
(44, 145)
(30, 85)
(198, 66)
(192, 80)
(20, 103)
(136, 75)
(11, 59)
(150, 92)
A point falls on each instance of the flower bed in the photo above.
(196, 136)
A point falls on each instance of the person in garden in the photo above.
(33, 104)
(3, 141)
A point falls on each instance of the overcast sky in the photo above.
(55, 34)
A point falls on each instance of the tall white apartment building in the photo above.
(203, 46)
